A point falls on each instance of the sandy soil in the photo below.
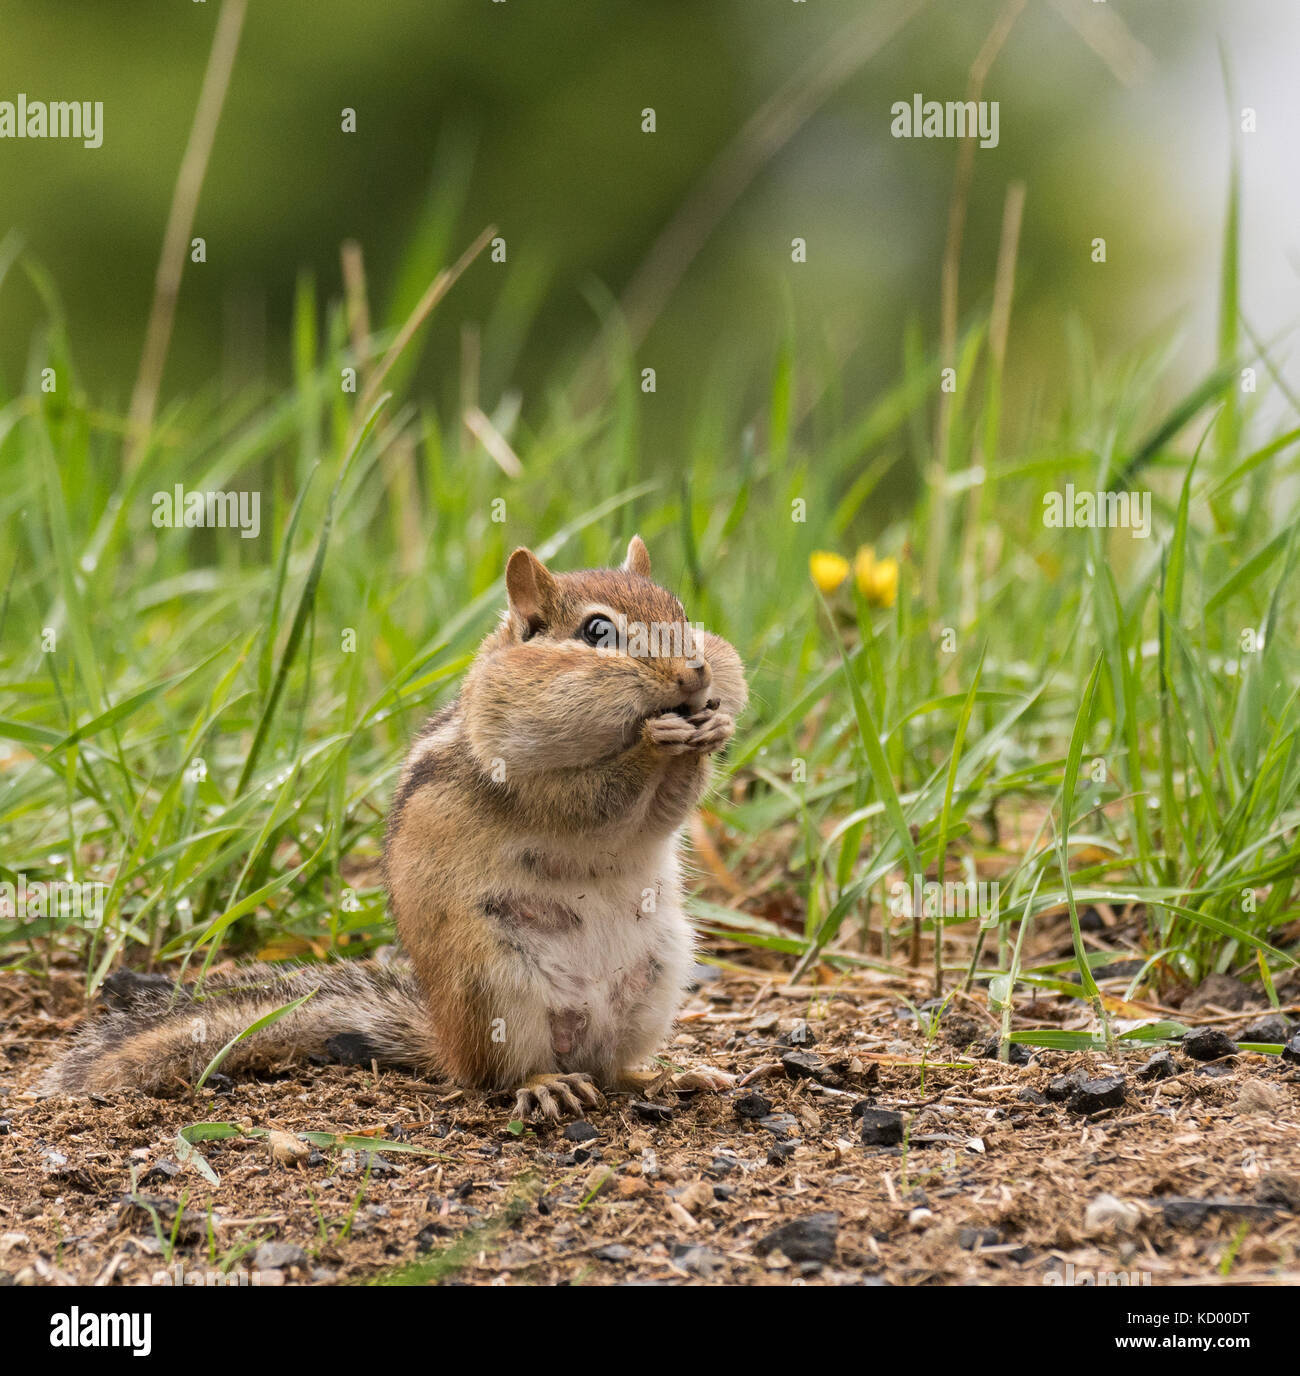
(1003, 1175)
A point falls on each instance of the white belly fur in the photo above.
(601, 993)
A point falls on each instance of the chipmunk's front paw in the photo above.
(551, 1096)
(700, 734)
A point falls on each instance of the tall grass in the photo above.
(210, 726)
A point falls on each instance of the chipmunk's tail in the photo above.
(157, 1037)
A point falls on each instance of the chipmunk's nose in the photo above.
(694, 682)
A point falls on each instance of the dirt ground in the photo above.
(1005, 1174)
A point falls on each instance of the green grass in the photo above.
(211, 726)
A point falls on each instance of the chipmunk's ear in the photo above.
(638, 557)
(531, 588)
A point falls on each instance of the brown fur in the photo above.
(524, 810)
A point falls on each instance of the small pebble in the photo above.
(811, 1238)
(1091, 1096)
(1107, 1212)
(286, 1149)
(1160, 1067)
(1060, 1087)
(1208, 1044)
(651, 1113)
(1280, 1187)
(580, 1131)
(160, 1172)
(1258, 1096)
(278, 1256)
(881, 1127)
(1272, 1029)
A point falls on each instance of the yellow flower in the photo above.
(877, 579)
(828, 570)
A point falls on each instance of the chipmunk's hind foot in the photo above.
(553, 1096)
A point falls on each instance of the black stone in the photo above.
(1191, 1213)
(651, 1113)
(1060, 1087)
(580, 1131)
(753, 1106)
(378, 1165)
(1273, 1028)
(160, 1172)
(1291, 1051)
(811, 1238)
(1016, 1053)
(1208, 1044)
(881, 1127)
(803, 1065)
(1091, 1096)
(1160, 1067)
(780, 1124)
(800, 1035)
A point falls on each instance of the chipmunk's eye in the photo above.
(599, 631)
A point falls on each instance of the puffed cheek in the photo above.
(728, 673)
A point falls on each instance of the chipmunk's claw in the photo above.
(553, 1096)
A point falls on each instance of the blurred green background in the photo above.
(296, 666)
(527, 115)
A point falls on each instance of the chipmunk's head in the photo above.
(581, 660)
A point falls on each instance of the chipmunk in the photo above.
(531, 861)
